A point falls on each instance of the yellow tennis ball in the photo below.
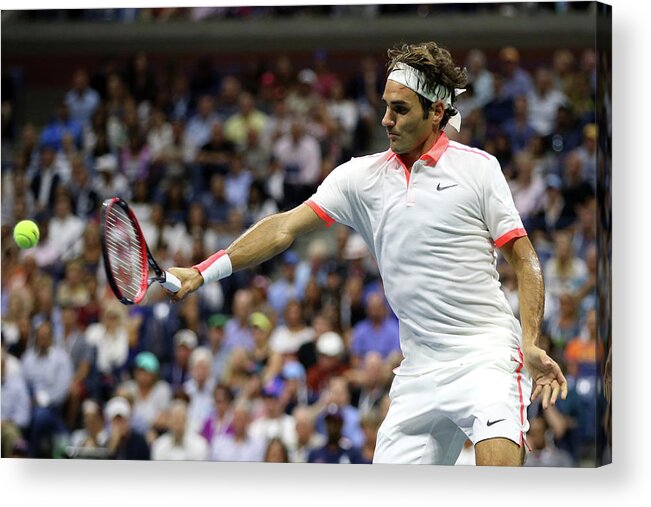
(26, 234)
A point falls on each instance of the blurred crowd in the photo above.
(204, 13)
(291, 361)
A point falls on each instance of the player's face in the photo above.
(409, 133)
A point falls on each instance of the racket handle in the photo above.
(171, 283)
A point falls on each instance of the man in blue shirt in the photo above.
(48, 372)
(378, 332)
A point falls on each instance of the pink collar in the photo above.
(434, 154)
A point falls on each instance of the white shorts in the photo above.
(431, 415)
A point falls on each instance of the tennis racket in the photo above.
(127, 258)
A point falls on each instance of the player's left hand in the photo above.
(547, 375)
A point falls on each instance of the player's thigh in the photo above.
(499, 452)
(497, 395)
(415, 430)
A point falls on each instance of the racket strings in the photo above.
(123, 244)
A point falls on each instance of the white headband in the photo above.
(415, 80)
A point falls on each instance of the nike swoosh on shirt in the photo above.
(490, 423)
(439, 187)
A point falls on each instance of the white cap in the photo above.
(107, 163)
(117, 406)
(186, 337)
(307, 76)
(330, 344)
(355, 247)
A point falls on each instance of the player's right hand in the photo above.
(190, 279)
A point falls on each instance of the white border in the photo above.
(86, 483)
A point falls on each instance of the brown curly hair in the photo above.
(436, 65)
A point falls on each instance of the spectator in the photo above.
(564, 271)
(48, 372)
(199, 127)
(371, 384)
(199, 389)
(566, 135)
(330, 362)
(177, 373)
(563, 325)
(306, 439)
(585, 351)
(586, 152)
(337, 393)
(247, 118)
(215, 201)
(287, 285)
(261, 328)
(576, 189)
(240, 445)
(65, 228)
(276, 452)
(259, 204)
(47, 178)
(111, 337)
(480, 77)
(151, 396)
(543, 102)
(287, 338)
(302, 98)
(345, 112)
(82, 100)
(60, 125)
(85, 198)
(336, 449)
(82, 356)
(93, 434)
(299, 155)
(237, 332)
(215, 342)
(214, 156)
(369, 423)
(517, 80)
(72, 290)
(274, 422)
(527, 187)
(377, 333)
(180, 443)
(219, 422)
(554, 214)
(543, 451)
(237, 183)
(109, 182)
(518, 129)
(16, 407)
(124, 442)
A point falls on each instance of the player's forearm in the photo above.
(531, 292)
(264, 240)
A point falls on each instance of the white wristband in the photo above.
(215, 267)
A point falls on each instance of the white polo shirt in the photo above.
(433, 233)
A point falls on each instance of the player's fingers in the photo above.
(536, 392)
(546, 394)
(556, 389)
(564, 389)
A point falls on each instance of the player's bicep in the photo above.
(301, 220)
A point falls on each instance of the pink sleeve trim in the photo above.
(505, 238)
(320, 213)
(209, 261)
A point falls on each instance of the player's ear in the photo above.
(436, 113)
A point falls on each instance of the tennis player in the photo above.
(433, 212)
